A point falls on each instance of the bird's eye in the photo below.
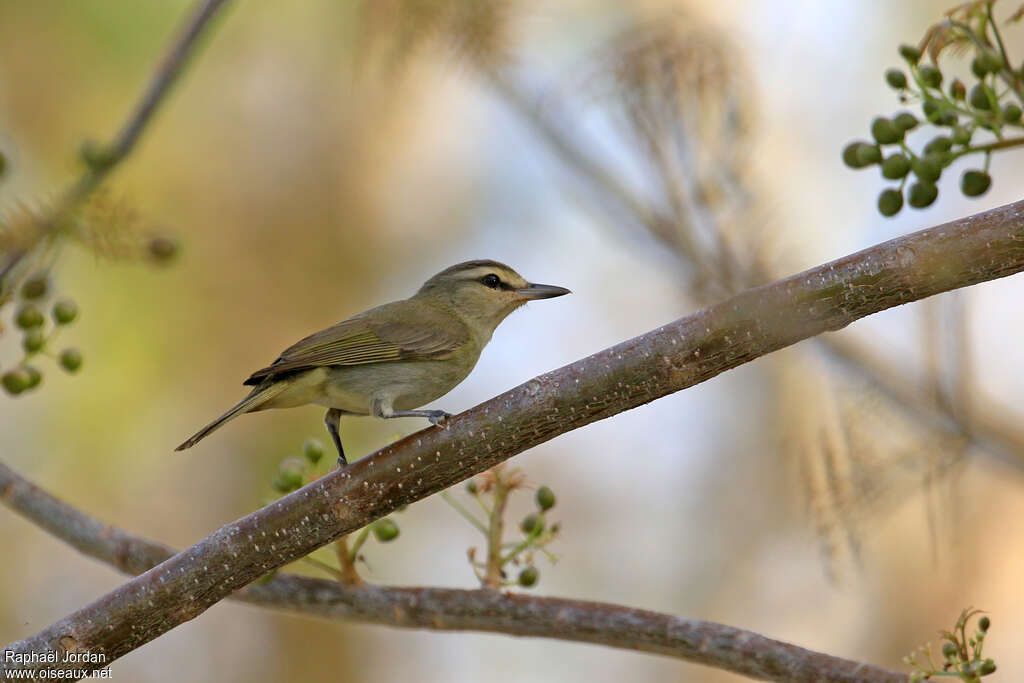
(490, 280)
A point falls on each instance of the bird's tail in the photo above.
(253, 401)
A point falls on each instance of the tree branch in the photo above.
(108, 158)
(445, 609)
(673, 357)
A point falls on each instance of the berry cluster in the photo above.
(991, 105)
(35, 340)
(962, 655)
(293, 473)
(490, 491)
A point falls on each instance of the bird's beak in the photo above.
(534, 291)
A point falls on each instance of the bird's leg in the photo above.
(331, 419)
(384, 410)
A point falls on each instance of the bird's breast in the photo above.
(404, 384)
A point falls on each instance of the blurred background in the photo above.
(850, 495)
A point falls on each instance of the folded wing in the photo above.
(387, 333)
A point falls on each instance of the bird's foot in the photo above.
(439, 417)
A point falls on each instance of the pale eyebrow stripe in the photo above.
(480, 271)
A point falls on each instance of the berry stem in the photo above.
(991, 146)
(525, 543)
(348, 574)
(466, 514)
(1007, 73)
(353, 554)
(323, 566)
(496, 526)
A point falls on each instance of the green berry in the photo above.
(286, 482)
(949, 651)
(983, 624)
(851, 154)
(910, 53)
(975, 183)
(528, 577)
(28, 316)
(890, 201)
(1011, 113)
(962, 135)
(290, 475)
(35, 286)
(931, 76)
(70, 359)
(65, 311)
(948, 119)
(940, 143)
(922, 194)
(895, 167)
(884, 132)
(927, 168)
(991, 61)
(33, 340)
(545, 498)
(987, 667)
(385, 530)
(957, 90)
(896, 79)
(868, 154)
(34, 376)
(931, 109)
(16, 381)
(471, 487)
(979, 97)
(162, 249)
(905, 121)
(96, 156)
(978, 67)
(313, 450)
(943, 159)
(531, 524)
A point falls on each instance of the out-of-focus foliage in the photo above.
(320, 158)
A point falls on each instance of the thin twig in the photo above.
(493, 573)
(671, 358)
(323, 566)
(346, 560)
(466, 514)
(463, 610)
(164, 77)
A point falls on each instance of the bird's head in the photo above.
(484, 292)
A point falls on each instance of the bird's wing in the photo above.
(377, 336)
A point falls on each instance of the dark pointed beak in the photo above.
(534, 291)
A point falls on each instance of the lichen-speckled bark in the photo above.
(671, 358)
(445, 609)
(704, 642)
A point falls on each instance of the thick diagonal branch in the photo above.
(673, 357)
(447, 609)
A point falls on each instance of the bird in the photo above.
(392, 359)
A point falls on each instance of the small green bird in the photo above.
(394, 358)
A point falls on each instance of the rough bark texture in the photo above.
(445, 609)
(673, 357)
